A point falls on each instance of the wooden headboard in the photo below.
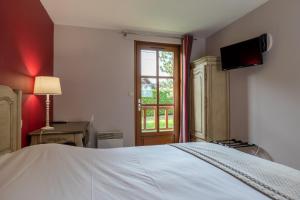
(10, 120)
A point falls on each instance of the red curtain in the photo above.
(187, 43)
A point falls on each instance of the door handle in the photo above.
(139, 105)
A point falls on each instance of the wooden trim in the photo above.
(151, 134)
(162, 105)
(157, 90)
(166, 77)
(19, 118)
(156, 45)
(177, 93)
(177, 49)
(180, 89)
(135, 94)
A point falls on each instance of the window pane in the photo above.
(166, 95)
(142, 119)
(148, 118)
(148, 62)
(166, 118)
(162, 118)
(171, 118)
(149, 91)
(166, 63)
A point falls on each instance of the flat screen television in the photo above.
(244, 54)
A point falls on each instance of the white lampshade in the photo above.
(47, 85)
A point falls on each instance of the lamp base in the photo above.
(47, 128)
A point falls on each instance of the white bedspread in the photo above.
(275, 180)
(58, 172)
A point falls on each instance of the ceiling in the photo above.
(172, 17)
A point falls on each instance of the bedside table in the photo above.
(72, 133)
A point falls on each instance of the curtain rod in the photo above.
(125, 33)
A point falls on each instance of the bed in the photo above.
(10, 119)
(165, 172)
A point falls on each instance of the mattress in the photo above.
(60, 172)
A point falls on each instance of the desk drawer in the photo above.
(60, 139)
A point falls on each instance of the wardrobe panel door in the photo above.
(199, 101)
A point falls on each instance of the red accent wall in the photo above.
(26, 50)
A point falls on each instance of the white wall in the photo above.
(96, 68)
(198, 49)
(265, 101)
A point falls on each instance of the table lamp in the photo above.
(47, 85)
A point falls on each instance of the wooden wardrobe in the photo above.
(209, 100)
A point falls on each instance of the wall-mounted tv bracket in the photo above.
(266, 42)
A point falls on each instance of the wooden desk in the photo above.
(74, 133)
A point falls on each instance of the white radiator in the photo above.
(109, 139)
